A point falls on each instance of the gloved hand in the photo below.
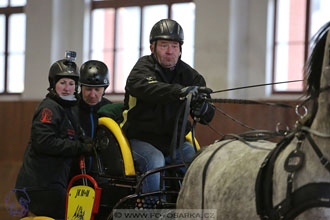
(194, 90)
(198, 108)
(189, 89)
(202, 111)
(86, 145)
(204, 89)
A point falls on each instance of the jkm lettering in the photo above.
(82, 192)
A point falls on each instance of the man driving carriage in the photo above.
(155, 88)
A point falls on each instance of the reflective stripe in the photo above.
(131, 104)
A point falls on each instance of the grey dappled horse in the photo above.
(294, 184)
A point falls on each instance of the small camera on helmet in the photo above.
(70, 55)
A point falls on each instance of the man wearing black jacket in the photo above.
(94, 79)
(155, 90)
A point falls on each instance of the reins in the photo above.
(245, 101)
(278, 132)
(177, 141)
(257, 85)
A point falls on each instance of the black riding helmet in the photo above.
(167, 29)
(63, 68)
(94, 73)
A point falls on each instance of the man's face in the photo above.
(167, 52)
(92, 95)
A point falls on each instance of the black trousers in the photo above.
(45, 202)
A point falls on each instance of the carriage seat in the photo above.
(120, 154)
(114, 149)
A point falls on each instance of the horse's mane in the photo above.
(314, 63)
(313, 70)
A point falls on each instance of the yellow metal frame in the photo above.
(123, 143)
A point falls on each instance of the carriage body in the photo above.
(113, 169)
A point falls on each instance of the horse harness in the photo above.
(297, 201)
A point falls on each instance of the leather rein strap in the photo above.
(324, 161)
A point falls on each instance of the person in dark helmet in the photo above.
(94, 80)
(54, 141)
(154, 91)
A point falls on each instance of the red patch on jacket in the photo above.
(71, 132)
(46, 115)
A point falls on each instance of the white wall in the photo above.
(211, 41)
(53, 26)
(38, 48)
(231, 39)
(230, 43)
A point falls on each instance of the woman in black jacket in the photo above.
(54, 140)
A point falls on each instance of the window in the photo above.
(120, 33)
(12, 46)
(296, 22)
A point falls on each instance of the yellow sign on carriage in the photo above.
(80, 203)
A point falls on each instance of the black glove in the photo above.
(202, 111)
(86, 145)
(190, 89)
(204, 89)
(195, 90)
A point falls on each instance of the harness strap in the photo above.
(205, 168)
(184, 109)
(306, 197)
(323, 159)
(174, 140)
(183, 128)
(264, 181)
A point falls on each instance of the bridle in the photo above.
(296, 202)
(299, 200)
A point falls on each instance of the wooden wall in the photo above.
(16, 117)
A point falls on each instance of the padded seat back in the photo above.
(113, 149)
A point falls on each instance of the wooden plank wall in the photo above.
(16, 120)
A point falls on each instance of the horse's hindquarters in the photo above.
(229, 179)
